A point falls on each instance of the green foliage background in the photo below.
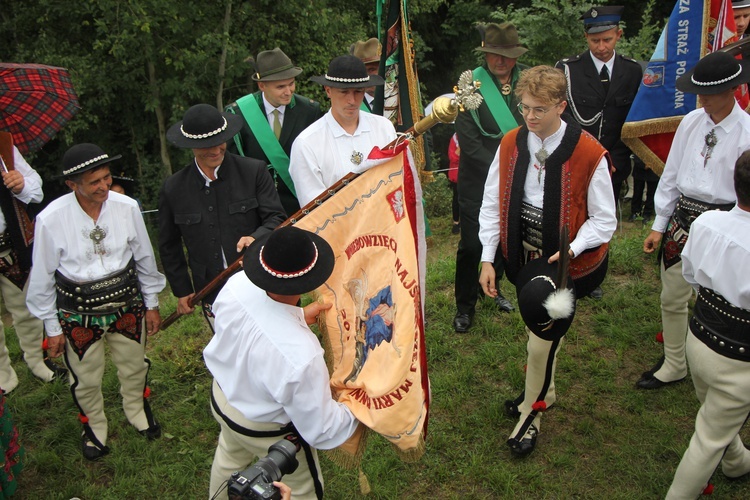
(137, 65)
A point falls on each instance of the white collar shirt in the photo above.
(63, 242)
(597, 229)
(599, 63)
(270, 365)
(324, 152)
(717, 255)
(271, 108)
(32, 185)
(686, 170)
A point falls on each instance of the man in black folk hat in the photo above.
(21, 185)
(697, 177)
(602, 85)
(215, 206)
(342, 140)
(479, 133)
(94, 279)
(548, 175)
(274, 117)
(270, 379)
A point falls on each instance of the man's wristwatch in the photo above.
(155, 308)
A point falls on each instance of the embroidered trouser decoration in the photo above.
(11, 269)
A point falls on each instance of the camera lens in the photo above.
(281, 460)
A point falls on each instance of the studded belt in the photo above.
(688, 209)
(103, 296)
(720, 325)
(531, 224)
(5, 242)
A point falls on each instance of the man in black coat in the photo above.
(273, 118)
(602, 86)
(216, 206)
(479, 133)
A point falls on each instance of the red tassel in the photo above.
(83, 418)
(540, 406)
(660, 337)
(709, 489)
(147, 392)
(45, 344)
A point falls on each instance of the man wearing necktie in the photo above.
(286, 113)
(602, 85)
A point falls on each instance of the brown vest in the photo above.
(568, 172)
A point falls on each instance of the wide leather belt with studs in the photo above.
(531, 224)
(5, 242)
(720, 325)
(688, 209)
(103, 296)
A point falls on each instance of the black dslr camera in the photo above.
(256, 482)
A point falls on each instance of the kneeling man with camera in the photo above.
(270, 379)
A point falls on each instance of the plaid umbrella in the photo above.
(35, 102)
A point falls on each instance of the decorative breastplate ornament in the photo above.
(541, 156)
(97, 235)
(708, 148)
(356, 157)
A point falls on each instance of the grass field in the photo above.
(602, 439)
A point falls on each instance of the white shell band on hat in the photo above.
(281, 274)
(347, 80)
(84, 164)
(717, 82)
(206, 135)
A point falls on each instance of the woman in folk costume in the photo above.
(547, 175)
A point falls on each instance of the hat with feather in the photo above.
(546, 294)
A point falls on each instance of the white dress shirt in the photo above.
(268, 106)
(62, 243)
(270, 365)
(685, 173)
(599, 63)
(32, 185)
(717, 255)
(322, 153)
(598, 228)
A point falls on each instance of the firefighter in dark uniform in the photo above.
(602, 85)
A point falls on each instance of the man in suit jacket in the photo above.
(479, 134)
(286, 113)
(216, 206)
(602, 85)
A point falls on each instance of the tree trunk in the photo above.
(154, 84)
(223, 58)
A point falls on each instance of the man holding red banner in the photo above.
(697, 177)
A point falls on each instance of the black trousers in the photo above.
(468, 258)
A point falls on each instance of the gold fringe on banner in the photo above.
(633, 132)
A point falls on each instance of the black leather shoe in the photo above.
(503, 304)
(597, 293)
(524, 447)
(90, 450)
(462, 322)
(58, 372)
(651, 382)
(153, 432)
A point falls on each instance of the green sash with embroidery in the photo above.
(258, 124)
(495, 102)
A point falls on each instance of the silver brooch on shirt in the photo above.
(708, 148)
(97, 235)
(541, 156)
(356, 157)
